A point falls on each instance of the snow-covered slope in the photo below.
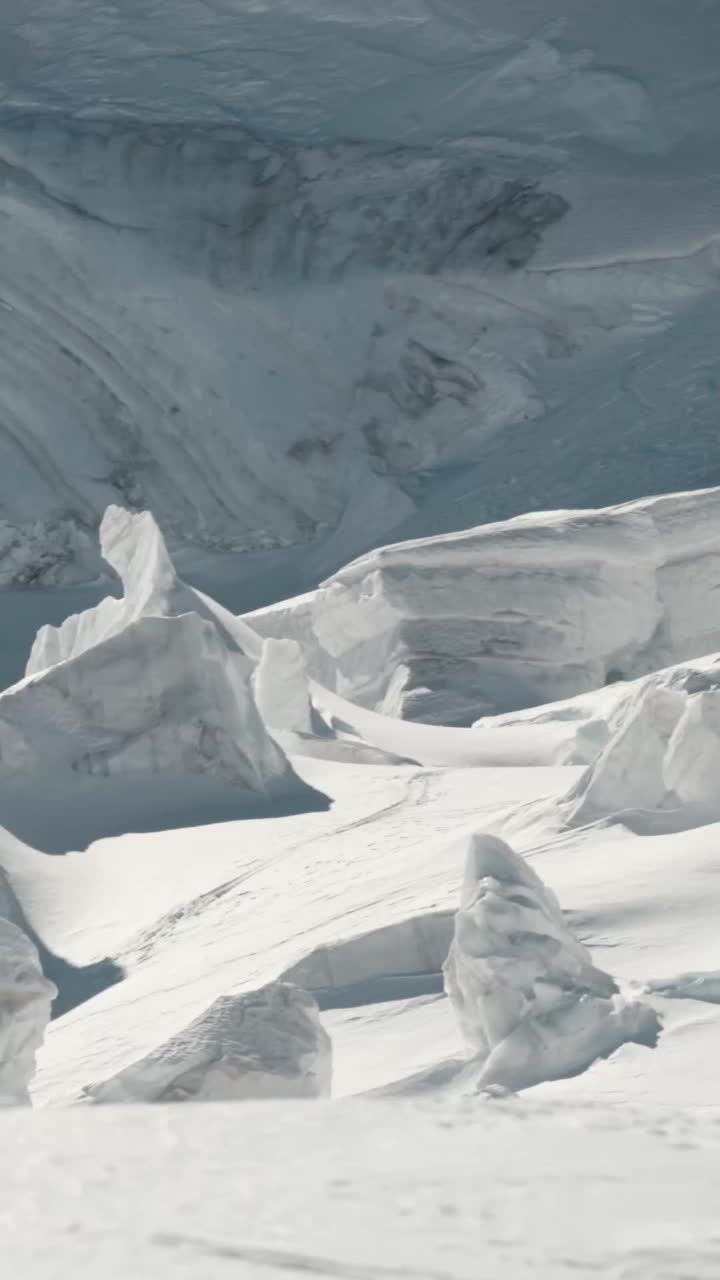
(295, 275)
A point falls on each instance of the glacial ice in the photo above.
(151, 688)
(538, 608)
(528, 998)
(263, 1044)
(25, 999)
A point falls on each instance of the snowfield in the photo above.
(360, 658)
(371, 1191)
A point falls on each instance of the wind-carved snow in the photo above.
(25, 999)
(262, 1044)
(151, 689)
(538, 608)
(529, 1000)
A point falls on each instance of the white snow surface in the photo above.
(25, 998)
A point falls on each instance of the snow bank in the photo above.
(528, 998)
(155, 685)
(266, 1044)
(25, 999)
(535, 609)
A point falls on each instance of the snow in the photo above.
(25, 997)
(266, 1044)
(297, 275)
(371, 1191)
(382, 724)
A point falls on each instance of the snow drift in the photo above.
(265, 1044)
(538, 608)
(528, 998)
(152, 688)
(25, 999)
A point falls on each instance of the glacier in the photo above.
(526, 994)
(360, 658)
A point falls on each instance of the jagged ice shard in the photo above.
(261, 1044)
(526, 993)
(25, 999)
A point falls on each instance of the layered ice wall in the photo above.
(519, 613)
(528, 998)
(25, 999)
(263, 1044)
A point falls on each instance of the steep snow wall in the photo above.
(509, 615)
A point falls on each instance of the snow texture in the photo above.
(527, 995)
(263, 1044)
(25, 998)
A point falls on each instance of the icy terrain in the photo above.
(538, 608)
(267, 1044)
(145, 700)
(295, 275)
(25, 997)
(360, 659)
